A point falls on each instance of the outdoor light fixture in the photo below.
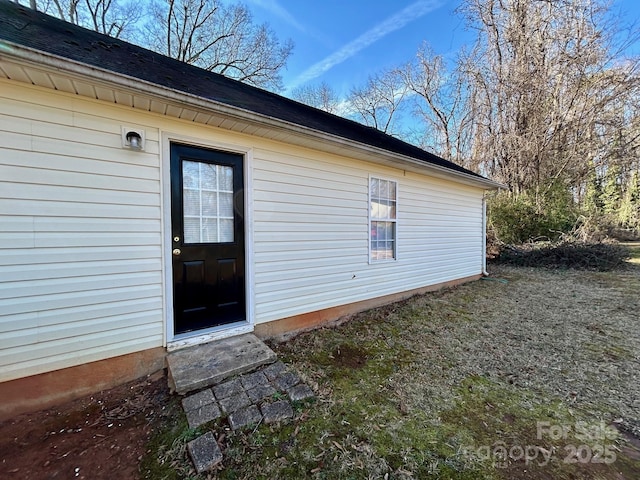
(132, 139)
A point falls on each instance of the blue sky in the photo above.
(342, 42)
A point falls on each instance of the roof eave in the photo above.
(60, 64)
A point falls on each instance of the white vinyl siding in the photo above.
(80, 237)
(81, 229)
(311, 224)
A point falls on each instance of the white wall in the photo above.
(311, 233)
(80, 236)
(81, 229)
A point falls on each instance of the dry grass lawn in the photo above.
(635, 251)
(527, 374)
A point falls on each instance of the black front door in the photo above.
(207, 229)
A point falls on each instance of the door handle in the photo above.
(177, 251)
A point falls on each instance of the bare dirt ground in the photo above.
(102, 436)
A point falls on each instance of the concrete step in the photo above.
(202, 366)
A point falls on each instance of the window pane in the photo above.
(191, 200)
(209, 177)
(209, 230)
(192, 230)
(226, 178)
(226, 205)
(226, 230)
(392, 210)
(190, 175)
(382, 250)
(388, 247)
(388, 231)
(375, 209)
(384, 189)
(375, 188)
(209, 204)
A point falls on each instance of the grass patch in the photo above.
(634, 252)
(454, 385)
(167, 457)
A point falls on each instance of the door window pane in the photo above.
(209, 176)
(226, 230)
(207, 196)
(190, 175)
(191, 230)
(191, 203)
(209, 230)
(209, 204)
(226, 204)
(226, 180)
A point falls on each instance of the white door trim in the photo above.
(173, 341)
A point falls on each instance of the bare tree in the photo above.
(66, 10)
(378, 103)
(440, 101)
(320, 96)
(116, 18)
(113, 18)
(212, 34)
(544, 80)
(219, 37)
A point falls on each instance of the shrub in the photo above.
(565, 254)
(520, 218)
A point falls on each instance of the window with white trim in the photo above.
(383, 199)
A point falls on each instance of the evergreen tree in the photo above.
(611, 191)
(634, 188)
(629, 213)
(592, 203)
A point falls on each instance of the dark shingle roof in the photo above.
(23, 26)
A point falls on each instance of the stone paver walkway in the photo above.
(246, 401)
